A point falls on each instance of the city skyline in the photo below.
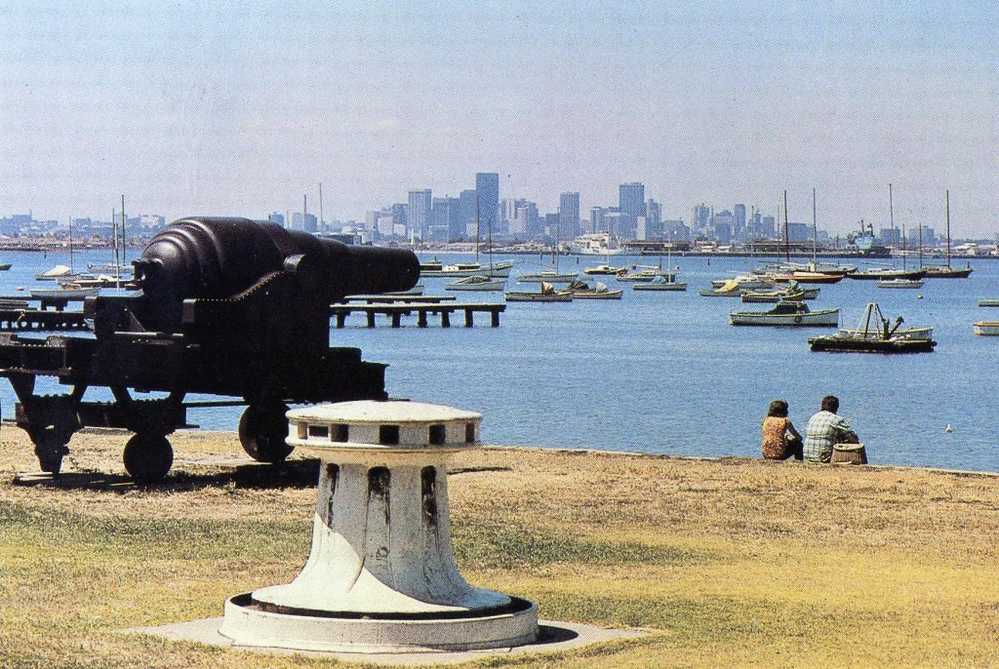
(191, 110)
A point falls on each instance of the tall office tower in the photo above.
(755, 226)
(597, 223)
(420, 206)
(551, 226)
(276, 217)
(722, 225)
(769, 227)
(653, 219)
(525, 220)
(890, 237)
(739, 225)
(466, 207)
(700, 220)
(631, 199)
(444, 219)
(929, 235)
(487, 196)
(310, 223)
(568, 215)
(400, 218)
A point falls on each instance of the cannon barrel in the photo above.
(220, 257)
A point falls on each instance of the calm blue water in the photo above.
(665, 373)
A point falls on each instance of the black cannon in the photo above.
(227, 307)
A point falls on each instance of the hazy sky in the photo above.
(241, 108)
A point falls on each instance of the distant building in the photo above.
(420, 206)
(676, 230)
(700, 221)
(723, 226)
(739, 225)
(597, 223)
(276, 217)
(631, 199)
(653, 219)
(446, 220)
(929, 235)
(890, 237)
(487, 195)
(466, 212)
(551, 226)
(568, 214)
(799, 232)
(769, 227)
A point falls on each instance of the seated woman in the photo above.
(780, 439)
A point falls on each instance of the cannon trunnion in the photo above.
(228, 307)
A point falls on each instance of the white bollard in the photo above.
(381, 574)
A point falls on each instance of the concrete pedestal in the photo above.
(381, 575)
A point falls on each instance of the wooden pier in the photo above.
(422, 309)
(40, 319)
(396, 299)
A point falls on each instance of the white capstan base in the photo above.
(247, 624)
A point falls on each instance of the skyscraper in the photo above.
(568, 215)
(739, 225)
(420, 206)
(631, 199)
(466, 207)
(487, 192)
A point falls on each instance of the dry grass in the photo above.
(735, 562)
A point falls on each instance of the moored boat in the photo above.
(661, 282)
(883, 274)
(804, 276)
(580, 290)
(477, 282)
(900, 283)
(745, 282)
(874, 334)
(466, 269)
(548, 276)
(604, 270)
(547, 294)
(989, 302)
(794, 314)
(987, 328)
(790, 293)
(64, 292)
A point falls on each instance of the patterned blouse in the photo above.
(775, 437)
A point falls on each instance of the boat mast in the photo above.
(919, 226)
(787, 241)
(948, 226)
(904, 252)
(891, 217)
(815, 233)
(124, 252)
(477, 235)
(71, 270)
(114, 243)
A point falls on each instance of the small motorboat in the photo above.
(465, 269)
(662, 282)
(900, 283)
(57, 272)
(793, 314)
(988, 302)
(547, 294)
(548, 276)
(477, 282)
(580, 290)
(66, 292)
(745, 282)
(804, 276)
(987, 328)
(605, 270)
(881, 274)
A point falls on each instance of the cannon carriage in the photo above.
(226, 307)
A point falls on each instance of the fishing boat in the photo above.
(477, 282)
(582, 291)
(874, 334)
(792, 293)
(947, 272)
(547, 294)
(794, 314)
(987, 328)
(900, 283)
(662, 282)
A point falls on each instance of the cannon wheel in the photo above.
(262, 432)
(148, 457)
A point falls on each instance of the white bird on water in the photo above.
(948, 428)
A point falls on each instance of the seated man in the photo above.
(825, 429)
